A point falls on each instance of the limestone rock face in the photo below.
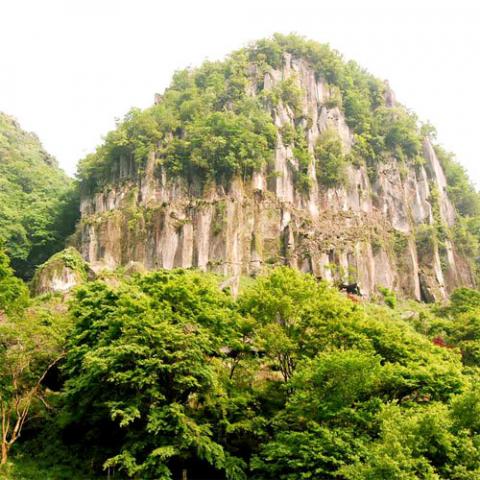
(60, 273)
(366, 232)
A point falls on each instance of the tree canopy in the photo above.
(165, 375)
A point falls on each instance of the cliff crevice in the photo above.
(375, 228)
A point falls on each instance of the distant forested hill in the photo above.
(38, 205)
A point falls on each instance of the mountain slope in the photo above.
(37, 206)
(281, 154)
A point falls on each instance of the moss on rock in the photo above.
(60, 272)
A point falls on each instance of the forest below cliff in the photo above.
(165, 374)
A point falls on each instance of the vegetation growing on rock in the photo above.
(232, 118)
(466, 200)
(60, 272)
(164, 375)
(331, 160)
(215, 121)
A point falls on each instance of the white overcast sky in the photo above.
(68, 68)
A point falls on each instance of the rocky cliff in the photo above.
(378, 226)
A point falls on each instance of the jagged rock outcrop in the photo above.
(63, 271)
(373, 230)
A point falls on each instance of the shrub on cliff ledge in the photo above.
(331, 162)
(216, 121)
(205, 127)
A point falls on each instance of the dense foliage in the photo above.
(163, 375)
(38, 203)
(30, 345)
(206, 127)
(166, 376)
(13, 293)
(216, 121)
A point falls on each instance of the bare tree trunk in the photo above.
(184, 474)
(5, 429)
(4, 453)
(7, 413)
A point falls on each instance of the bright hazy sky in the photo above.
(68, 68)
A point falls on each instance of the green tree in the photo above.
(331, 162)
(29, 348)
(348, 366)
(399, 131)
(13, 292)
(139, 363)
(464, 300)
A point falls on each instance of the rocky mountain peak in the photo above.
(281, 154)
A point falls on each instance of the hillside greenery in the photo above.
(215, 121)
(38, 202)
(165, 376)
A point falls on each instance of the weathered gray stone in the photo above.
(249, 225)
(62, 272)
